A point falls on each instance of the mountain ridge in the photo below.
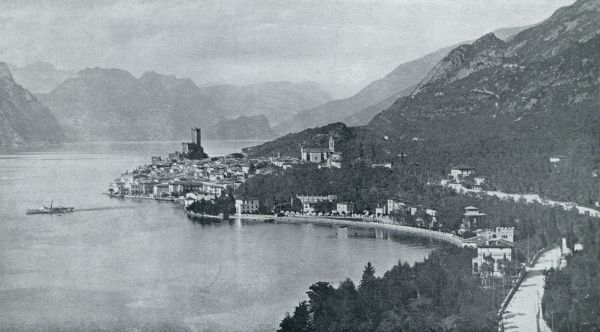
(25, 121)
(156, 106)
(360, 108)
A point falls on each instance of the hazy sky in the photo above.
(341, 44)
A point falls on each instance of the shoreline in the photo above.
(421, 232)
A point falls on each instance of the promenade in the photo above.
(446, 237)
(522, 311)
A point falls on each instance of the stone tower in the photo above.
(331, 144)
(197, 136)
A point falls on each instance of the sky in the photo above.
(342, 45)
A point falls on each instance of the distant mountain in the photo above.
(360, 108)
(40, 77)
(111, 104)
(23, 119)
(278, 101)
(242, 128)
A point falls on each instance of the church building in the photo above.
(319, 155)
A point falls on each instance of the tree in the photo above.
(368, 274)
(299, 322)
(487, 269)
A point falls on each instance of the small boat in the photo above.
(50, 209)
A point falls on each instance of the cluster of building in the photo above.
(464, 176)
(494, 246)
(188, 180)
(422, 216)
(323, 156)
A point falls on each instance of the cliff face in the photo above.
(241, 128)
(536, 71)
(23, 119)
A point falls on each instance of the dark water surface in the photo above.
(142, 265)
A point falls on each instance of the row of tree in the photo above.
(439, 294)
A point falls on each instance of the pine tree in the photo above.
(368, 274)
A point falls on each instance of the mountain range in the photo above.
(23, 119)
(360, 108)
(111, 104)
(502, 106)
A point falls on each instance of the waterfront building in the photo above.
(161, 189)
(244, 205)
(309, 201)
(175, 187)
(395, 206)
(345, 208)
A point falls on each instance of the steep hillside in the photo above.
(396, 83)
(504, 107)
(242, 128)
(360, 108)
(23, 119)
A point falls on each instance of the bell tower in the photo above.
(331, 144)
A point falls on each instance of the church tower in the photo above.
(331, 144)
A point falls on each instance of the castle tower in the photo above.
(331, 144)
(197, 136)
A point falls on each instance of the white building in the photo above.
(492, 254)
(380, 211)
(245, 205)
(460, 172)
(394, 206)
(346, 208)
(308, 201)
(320, 155)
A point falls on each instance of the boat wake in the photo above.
(104, 208)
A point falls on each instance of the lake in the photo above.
(120, 264)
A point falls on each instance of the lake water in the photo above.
(142, 265)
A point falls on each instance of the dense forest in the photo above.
(439, 294)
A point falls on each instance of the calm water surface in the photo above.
(127, 265)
